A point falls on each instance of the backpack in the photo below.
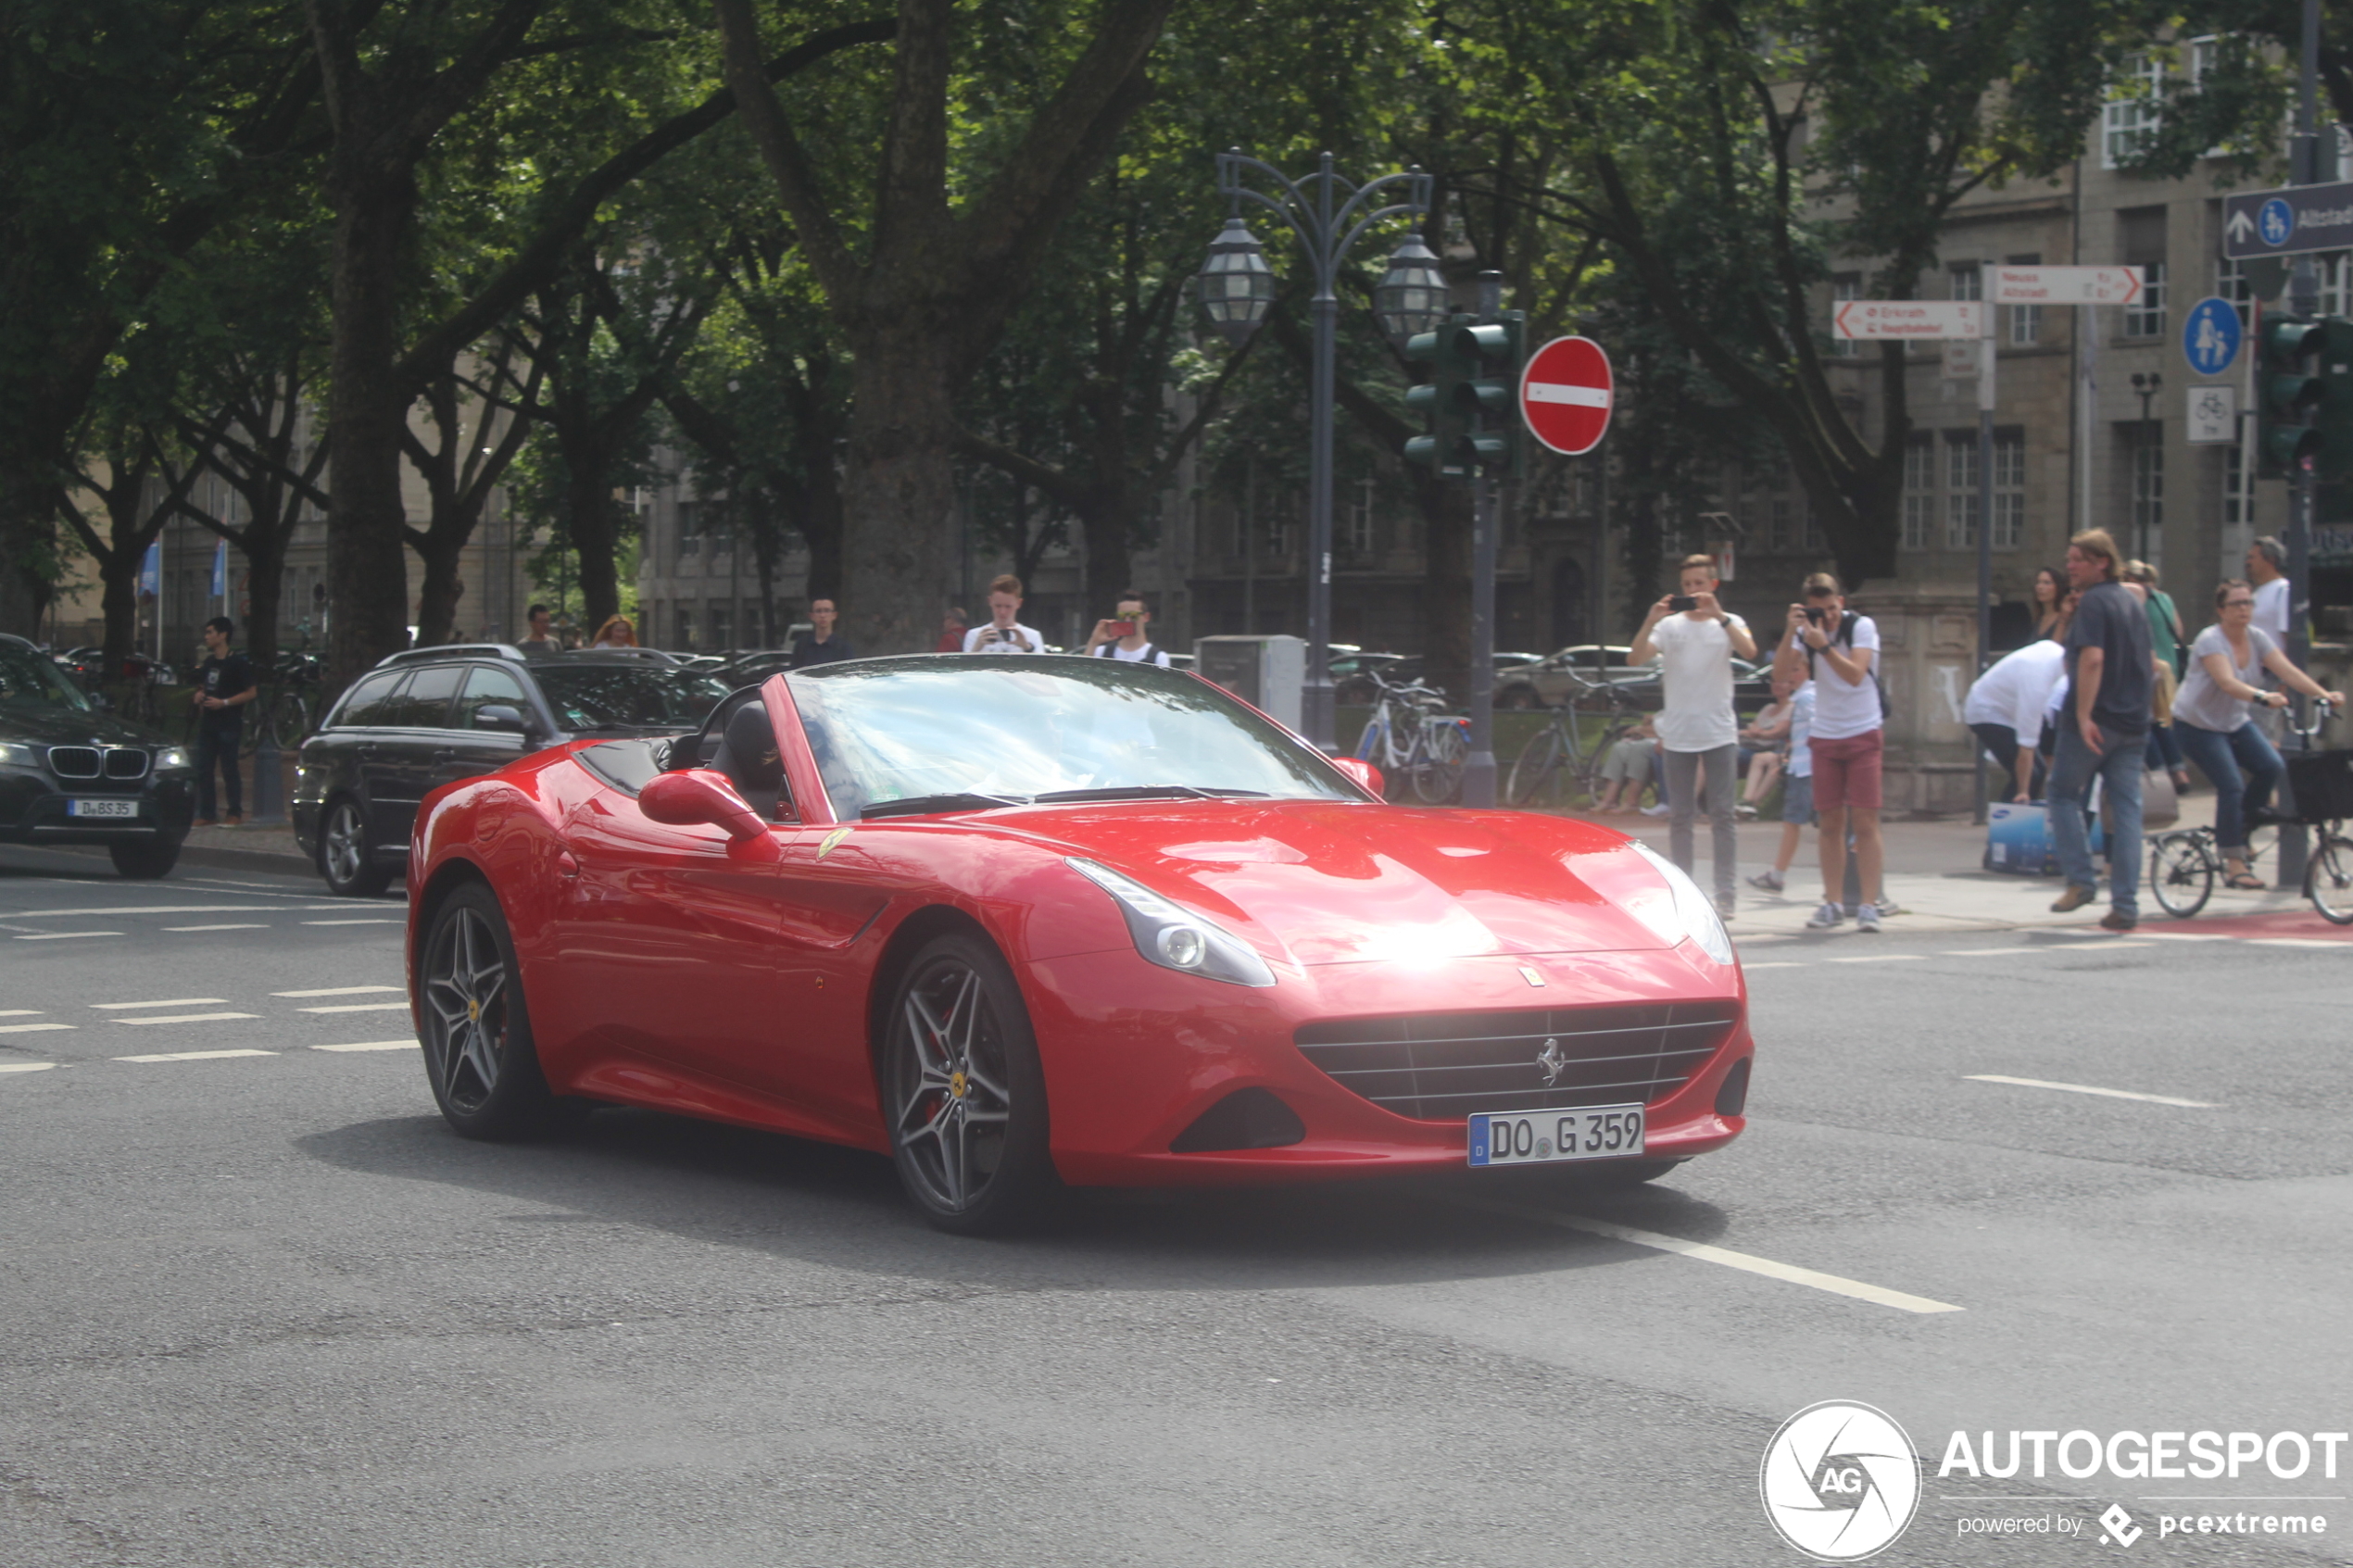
(1846, 633)
(1150, 654)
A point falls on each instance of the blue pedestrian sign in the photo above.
(2210, 335)
(2277, 220)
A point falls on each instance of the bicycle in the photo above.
(2184, 864)
(1560, 763)
(1408, 738)
(286, 706)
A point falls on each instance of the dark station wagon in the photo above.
(432, 716)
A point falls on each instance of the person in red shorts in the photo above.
(1838, 650)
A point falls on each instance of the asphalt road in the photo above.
(264, 1308)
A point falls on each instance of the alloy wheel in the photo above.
(346, 841)
(954, 1084)
(465, 996)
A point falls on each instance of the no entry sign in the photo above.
(1565, 395)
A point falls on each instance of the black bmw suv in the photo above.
(71, 773)
(432, 716)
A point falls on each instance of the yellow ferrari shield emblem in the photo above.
(831, 842)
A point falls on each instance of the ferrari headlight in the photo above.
(1689, 915)
(171, 756)
(1175, 937)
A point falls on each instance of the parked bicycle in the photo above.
(1561, 763)
(2186, 863)
(1410, 738)
(288, 704)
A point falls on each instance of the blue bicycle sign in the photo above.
(2210, 335)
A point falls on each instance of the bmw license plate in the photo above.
(1541, 1137)
(102, 808)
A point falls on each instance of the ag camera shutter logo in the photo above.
(1840, 1481)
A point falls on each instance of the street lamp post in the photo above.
(2146, 386)
(1328, 214)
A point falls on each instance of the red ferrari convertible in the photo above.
(1029, 921)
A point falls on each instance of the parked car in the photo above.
(430, 716)
(71, 773)
(1176, 945)
(1352, 672)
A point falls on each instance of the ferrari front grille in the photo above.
(1440, 1067)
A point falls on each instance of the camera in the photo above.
(1681, 601)
(1815, 614)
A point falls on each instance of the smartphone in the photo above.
(1681, 601)
(1121, 628)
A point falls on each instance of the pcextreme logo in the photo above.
(1840, 1481)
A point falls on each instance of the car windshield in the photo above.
(628, 697)
(30, 683)
(896, 733)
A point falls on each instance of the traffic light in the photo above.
(1471, 398)
(2334, 416)
(2287, 395)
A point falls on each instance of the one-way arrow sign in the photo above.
(2288, 222)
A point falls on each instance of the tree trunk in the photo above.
(595, 536)
(437, 601)
(119, 602)
(1109, 525)
(265, 582)
(899, 533)
(367, 559)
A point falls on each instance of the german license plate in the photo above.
(1543, 1137)
(102, 808)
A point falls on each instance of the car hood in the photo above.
(49, 725)
(1324, 883)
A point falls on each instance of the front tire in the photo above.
(965, 1094)
(2181, 874)
(343, 859)
(2328, 880)
(146, 860)
(477, 1032)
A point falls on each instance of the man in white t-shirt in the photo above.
(1128, 634)
(1694, 639)
(2004, 709)
(1839, 652)
(2267, 569)
(1004, 633)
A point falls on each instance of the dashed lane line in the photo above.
(189, 1017)
(360, 1007)
(2293, 942)
(64, 935)
(20, 1013)
(171, 1002)
(195, 1056)
(175, 909)
(371, 1045)
(1878, 1295)
(383, 922)
(240, 925)
(31, 1028)
(337, 991)
(26, 1066)
(2089, 1089)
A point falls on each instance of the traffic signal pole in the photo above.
(1984, 516)
(2304, 293)
(1479, 771)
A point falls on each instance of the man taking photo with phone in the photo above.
(1126, 635)
(1004, 633)
(1694, 639)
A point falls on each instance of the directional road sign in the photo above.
(1565, 395)
(2066, 285)
(2210, 335)
(1928, 318)
(2289, 222)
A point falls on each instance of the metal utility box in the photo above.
(1268, 673)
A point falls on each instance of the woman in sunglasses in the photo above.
(2212, 717)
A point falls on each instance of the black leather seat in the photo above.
(747, 756)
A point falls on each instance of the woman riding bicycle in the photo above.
(2211, 718)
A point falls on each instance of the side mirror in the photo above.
(700, 795)
(1362, 774)
(501, 716)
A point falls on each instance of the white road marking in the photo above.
(20, 1013)
(173, 1002)
(193, 1056)
(189, 1017)
(337, 991)
(386, 922)
(171, 909)
(31, 1028)
(2187, 936)
(371, 1045)
(362, 1006)
(241, 925)
(61, 936)
(2293, 942)
(26, 1066)
(2088, 1090)
(1878, 1295)
(1879, 958)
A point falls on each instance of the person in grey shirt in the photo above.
(2212, 717)
(2101, 733)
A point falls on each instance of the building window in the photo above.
(2149, 492)
(2145, 316)
(2232, 282)
(2026, 320)
(1968, 280)
(2010, 489)
(2133, 110)
(1960, 498)
(685, 629)
(1920, 492)
(1842, 290)
(2336, 282)
(1356, 524)
(723, 626)
(690, 529)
